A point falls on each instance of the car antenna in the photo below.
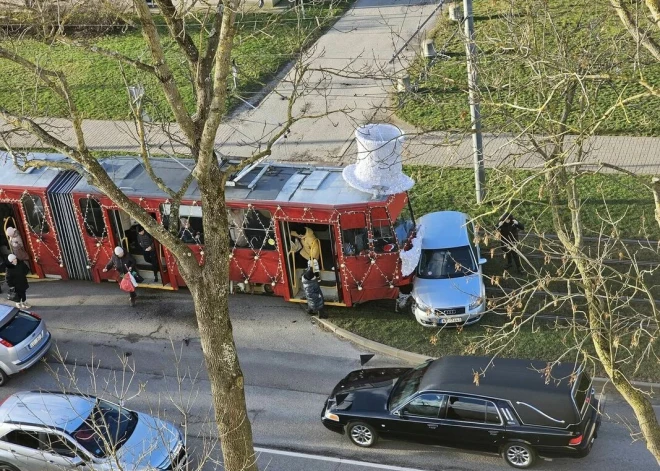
(364, 358)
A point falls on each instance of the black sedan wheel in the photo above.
(519, 455)
(362, 434)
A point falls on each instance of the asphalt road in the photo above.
(152, 354)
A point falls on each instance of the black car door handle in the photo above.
(493, 432)
(432, 425)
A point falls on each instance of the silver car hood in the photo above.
(448, 292)
(150, 445)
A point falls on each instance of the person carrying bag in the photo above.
(128, 284)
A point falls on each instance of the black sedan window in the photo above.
(425, 405)
(468, 409)
(407, 385)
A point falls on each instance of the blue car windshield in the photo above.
(446, 263)
(106, 429)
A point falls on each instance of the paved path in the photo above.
(363, 43)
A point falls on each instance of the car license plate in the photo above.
(450, 320)
(36, 340)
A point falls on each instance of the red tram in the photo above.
(277, 212)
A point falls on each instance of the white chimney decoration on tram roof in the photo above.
(378, 169)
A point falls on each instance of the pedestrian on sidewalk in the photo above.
(124, 263)
(508, 228)
(148, 247)
(17, 272)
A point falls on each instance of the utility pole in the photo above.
(473, 96)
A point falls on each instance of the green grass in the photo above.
(264, 44)
(438, 189)
(541, 340)
(595, 43)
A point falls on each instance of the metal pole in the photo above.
(473, 96)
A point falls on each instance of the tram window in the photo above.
(92, 217)
(236, 232)
(404, 224)
(354, 234)
(258, 230)
(384, 240)
(34, 213)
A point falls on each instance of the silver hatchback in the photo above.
(44, 431)
(24, 340)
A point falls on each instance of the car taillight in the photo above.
(575, 441)
(35, 315)
(5, 343)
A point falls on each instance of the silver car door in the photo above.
(21, 449)
(58, 452)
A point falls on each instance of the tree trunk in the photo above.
(210, 292)
(600, 337)
(225, 375)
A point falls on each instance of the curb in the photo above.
(416, 358)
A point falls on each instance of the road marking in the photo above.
(364, 464)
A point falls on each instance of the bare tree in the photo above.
(542, 76)
(208, 65)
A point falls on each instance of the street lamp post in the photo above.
(473, 96)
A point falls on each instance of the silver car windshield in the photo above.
(106, 429)
(446, 263)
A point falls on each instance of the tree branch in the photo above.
(627, 19)
(109, 54)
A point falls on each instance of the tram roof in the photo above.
(276, 182)
(10, 175)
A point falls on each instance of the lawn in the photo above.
(438, 189)
(595, 42)
(264, 44)
(542, 340)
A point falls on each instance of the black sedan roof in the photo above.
(522, 382)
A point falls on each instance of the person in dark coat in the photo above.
(16, 278)
(124, 263)
(508, 228)
(146, 243)
(313, 293)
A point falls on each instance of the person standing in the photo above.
(313, 293)
(17, 278)
(146, 243)
(124, 263)
(16, 245)
(508, 228)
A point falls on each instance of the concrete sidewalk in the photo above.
(362, 43)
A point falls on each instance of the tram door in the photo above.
(10, 217)
(124, 232)
(296, 243)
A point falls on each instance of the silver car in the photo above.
(24, 340)
(448, 288)
(42, 431)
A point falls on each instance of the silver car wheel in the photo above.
(518, 456)
(362, 435)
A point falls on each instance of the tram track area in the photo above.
(564, 295)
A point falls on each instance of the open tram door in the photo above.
(302, 240)
(10, 217)
(125, 235)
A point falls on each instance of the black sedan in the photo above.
(515, 408)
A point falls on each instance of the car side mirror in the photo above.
(482, 261)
